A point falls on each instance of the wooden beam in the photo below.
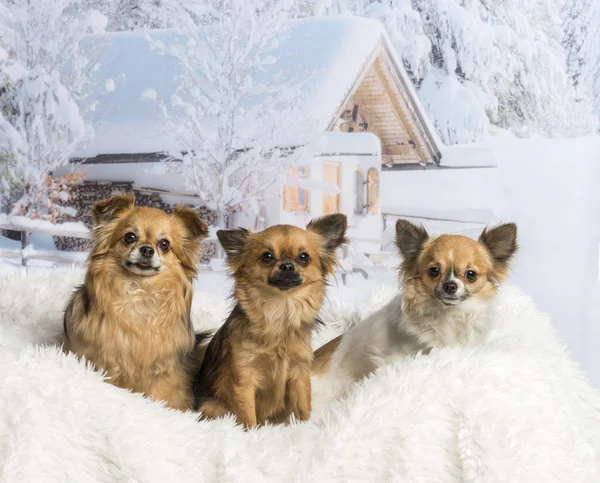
(408, 97)
(388, 98)
(383, 125)
(391, 160)
(357, 84)
(401, 149)
(400, 112)
(367, 114)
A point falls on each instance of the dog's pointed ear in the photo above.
(234, 243)
(196, 228)
(194, 231)
(107, 210)
(410, 239)
(332, 229)
(501, 242)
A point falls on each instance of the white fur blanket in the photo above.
(514, 410)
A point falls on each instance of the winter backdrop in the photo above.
(521, 77)
(531, 67)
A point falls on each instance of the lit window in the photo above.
(373, 191)
(294, 197)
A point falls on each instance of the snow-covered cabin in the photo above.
(359, 97)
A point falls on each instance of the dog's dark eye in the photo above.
(267, 257)
(304, 258)
(434, 272)
(471, 275)
(164, 245)
(129, 238)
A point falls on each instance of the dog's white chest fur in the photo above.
(465, 324)
(389, 334)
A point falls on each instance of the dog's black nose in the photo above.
(287, 267)
(450, 288)
(146, 251)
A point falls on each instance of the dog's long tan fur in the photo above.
(135, 327)
(257, 366)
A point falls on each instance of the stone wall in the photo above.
(84, 196)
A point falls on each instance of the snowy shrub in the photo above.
(49, 200)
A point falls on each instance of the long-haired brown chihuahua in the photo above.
(131, 317)
(257, 366)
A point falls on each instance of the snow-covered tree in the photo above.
(46, 34)
(480, 62)
(42, 125)
(230, 114)
(43, 71)
(591, 51)
(582, 41)
(12, 144)
(498, 61)
(576, 26)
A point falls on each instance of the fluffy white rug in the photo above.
(515, 410)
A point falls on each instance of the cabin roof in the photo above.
(326, 55)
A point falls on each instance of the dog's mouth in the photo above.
(285, 283)
(451, 300)
(141, 267)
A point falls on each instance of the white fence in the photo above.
(27, 226)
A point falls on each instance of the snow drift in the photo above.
(516, 409)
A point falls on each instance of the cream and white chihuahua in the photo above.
(447, 283)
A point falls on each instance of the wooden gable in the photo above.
(381, 103)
